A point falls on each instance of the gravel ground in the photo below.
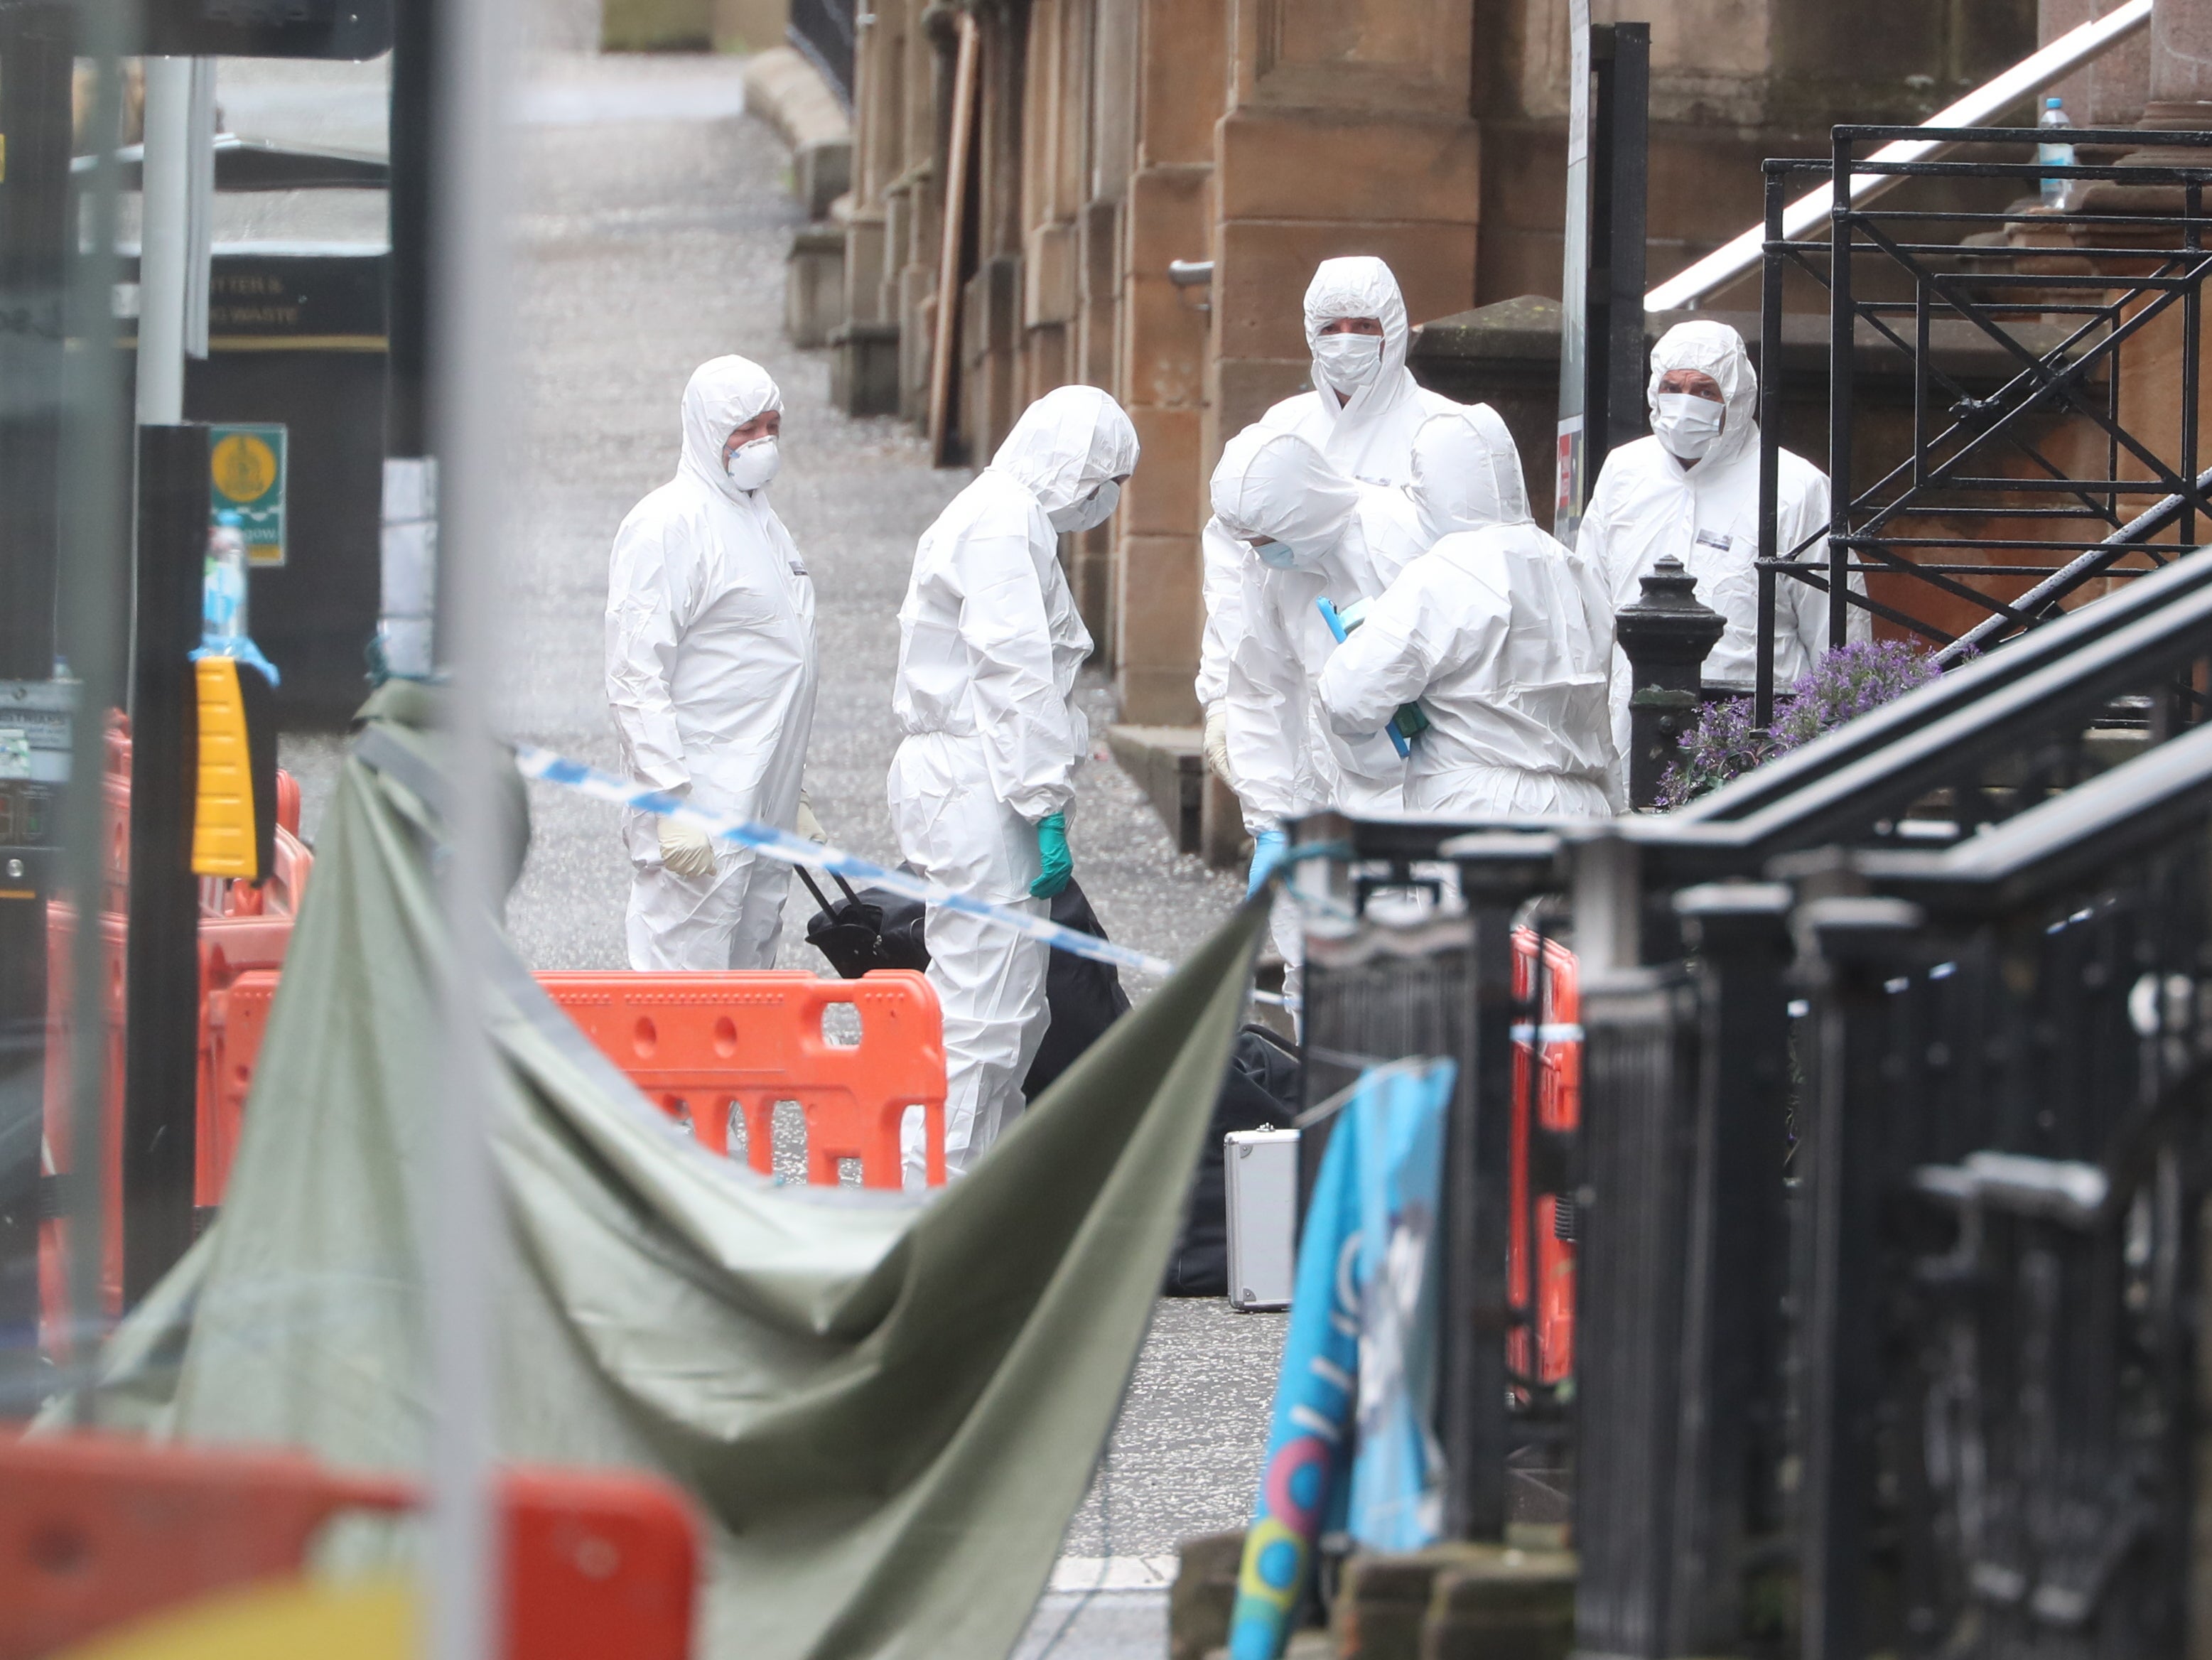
(645, 248)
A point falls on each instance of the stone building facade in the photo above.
(1109, 152)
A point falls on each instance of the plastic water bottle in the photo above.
(2055, 153)
(222, 587)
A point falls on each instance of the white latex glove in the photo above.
(807, 824)
(1217, 741)
(686, 851)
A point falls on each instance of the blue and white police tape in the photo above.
(783, 846)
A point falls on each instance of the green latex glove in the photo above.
(1052, 847)
(1410, 721)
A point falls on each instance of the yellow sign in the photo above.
(223, 839)
(246, 466)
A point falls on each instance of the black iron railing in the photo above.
(1980, 474)
(2003, 1165)
(1833, 1312)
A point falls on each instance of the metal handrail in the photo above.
(2137, 804)
(1978, 108)
(1873, 767)
(2122, 542)
(1966, 685)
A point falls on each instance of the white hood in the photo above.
(1364, 431)
(1467, 474)
(1359, 285)
(1717, 349)
(722, 395)
(1067, 444)
(1275, 486)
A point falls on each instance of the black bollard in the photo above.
(1666, 636)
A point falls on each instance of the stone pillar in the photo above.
(1161, 379)
(2181, 66)
(1111, 149)
(1348, 131)
(913, 202)
(1666, 636)
(991, 363)
(2110, 92)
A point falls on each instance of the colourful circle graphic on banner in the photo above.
(1297, 1477)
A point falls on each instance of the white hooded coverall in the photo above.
(1503, 636)
(1369, 437)
(989, 644)
(711, 672)
(1648, 504)
(1343, 542)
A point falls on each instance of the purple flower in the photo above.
(1845, 683)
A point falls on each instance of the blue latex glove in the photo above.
(1269, 849)
(1052, 848)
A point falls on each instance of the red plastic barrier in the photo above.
(229, 945)
(699, 1044)
(237, 1020)
(1559, 1108)
(242, 927)
(95, 1531)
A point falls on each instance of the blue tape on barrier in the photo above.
(787, 848)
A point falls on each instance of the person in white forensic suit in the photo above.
(1501, 636)
(989, 644)
(711, 677)
(1692, 490)
(1361, 414)
(1309, 533)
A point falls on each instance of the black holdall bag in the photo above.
(870, 929)
(873, 929)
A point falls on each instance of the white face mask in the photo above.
(1686, 424)
(752, 465)
(1349, 360)
(1092, 511)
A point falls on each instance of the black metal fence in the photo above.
(1894, 1142)
(1987, 492)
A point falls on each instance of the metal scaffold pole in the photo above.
(468, 373)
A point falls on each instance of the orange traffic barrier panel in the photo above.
(97, 1530)
(252, 935)
(1536, 1210)
(237, 1020)
(699, 1045)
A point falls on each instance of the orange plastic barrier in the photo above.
(1559, 1109)
(699, 1044)
(237, 1020)
(243, 927)
(95, 1531)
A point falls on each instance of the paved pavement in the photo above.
(647, 245)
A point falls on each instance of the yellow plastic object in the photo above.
(287, 1621)
(223, 841)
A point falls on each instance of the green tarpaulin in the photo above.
(886, 1410)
